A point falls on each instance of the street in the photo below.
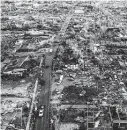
(43, 122)
(63, 65)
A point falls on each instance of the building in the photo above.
(18, 67)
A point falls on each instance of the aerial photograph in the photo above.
(63, 65)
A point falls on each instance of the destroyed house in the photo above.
(115, 34)
(79, 113)
(118, 118)
(26, 48)
(79, 11)
(2, 67)
(46, 45)
(111, 32)
(18, 67)
(14, 72)
(119, 124)
(116, 45)
(44, 48)
(73, 67)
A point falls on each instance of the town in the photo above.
(63, 65)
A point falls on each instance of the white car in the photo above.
(50, 50)
(60, 80)
(41, 111)
(58, 92)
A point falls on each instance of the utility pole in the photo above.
(21, 117)
(33, 99)
(87, 116)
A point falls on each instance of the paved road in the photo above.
(42, 123)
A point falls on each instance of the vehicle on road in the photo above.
(59, 72)
(60, 79)
(48, 61)
(46, 66)
(41, 111)
(71, 79)
(58, 92)
(72, 75)
(50, 52)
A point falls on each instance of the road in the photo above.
(42, 123)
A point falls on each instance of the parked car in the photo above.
(41, 111)
(58, 92)
(59, 71)
(60, 79)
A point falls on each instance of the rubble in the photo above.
(20, 91)
(93, 72)
(88, 89)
